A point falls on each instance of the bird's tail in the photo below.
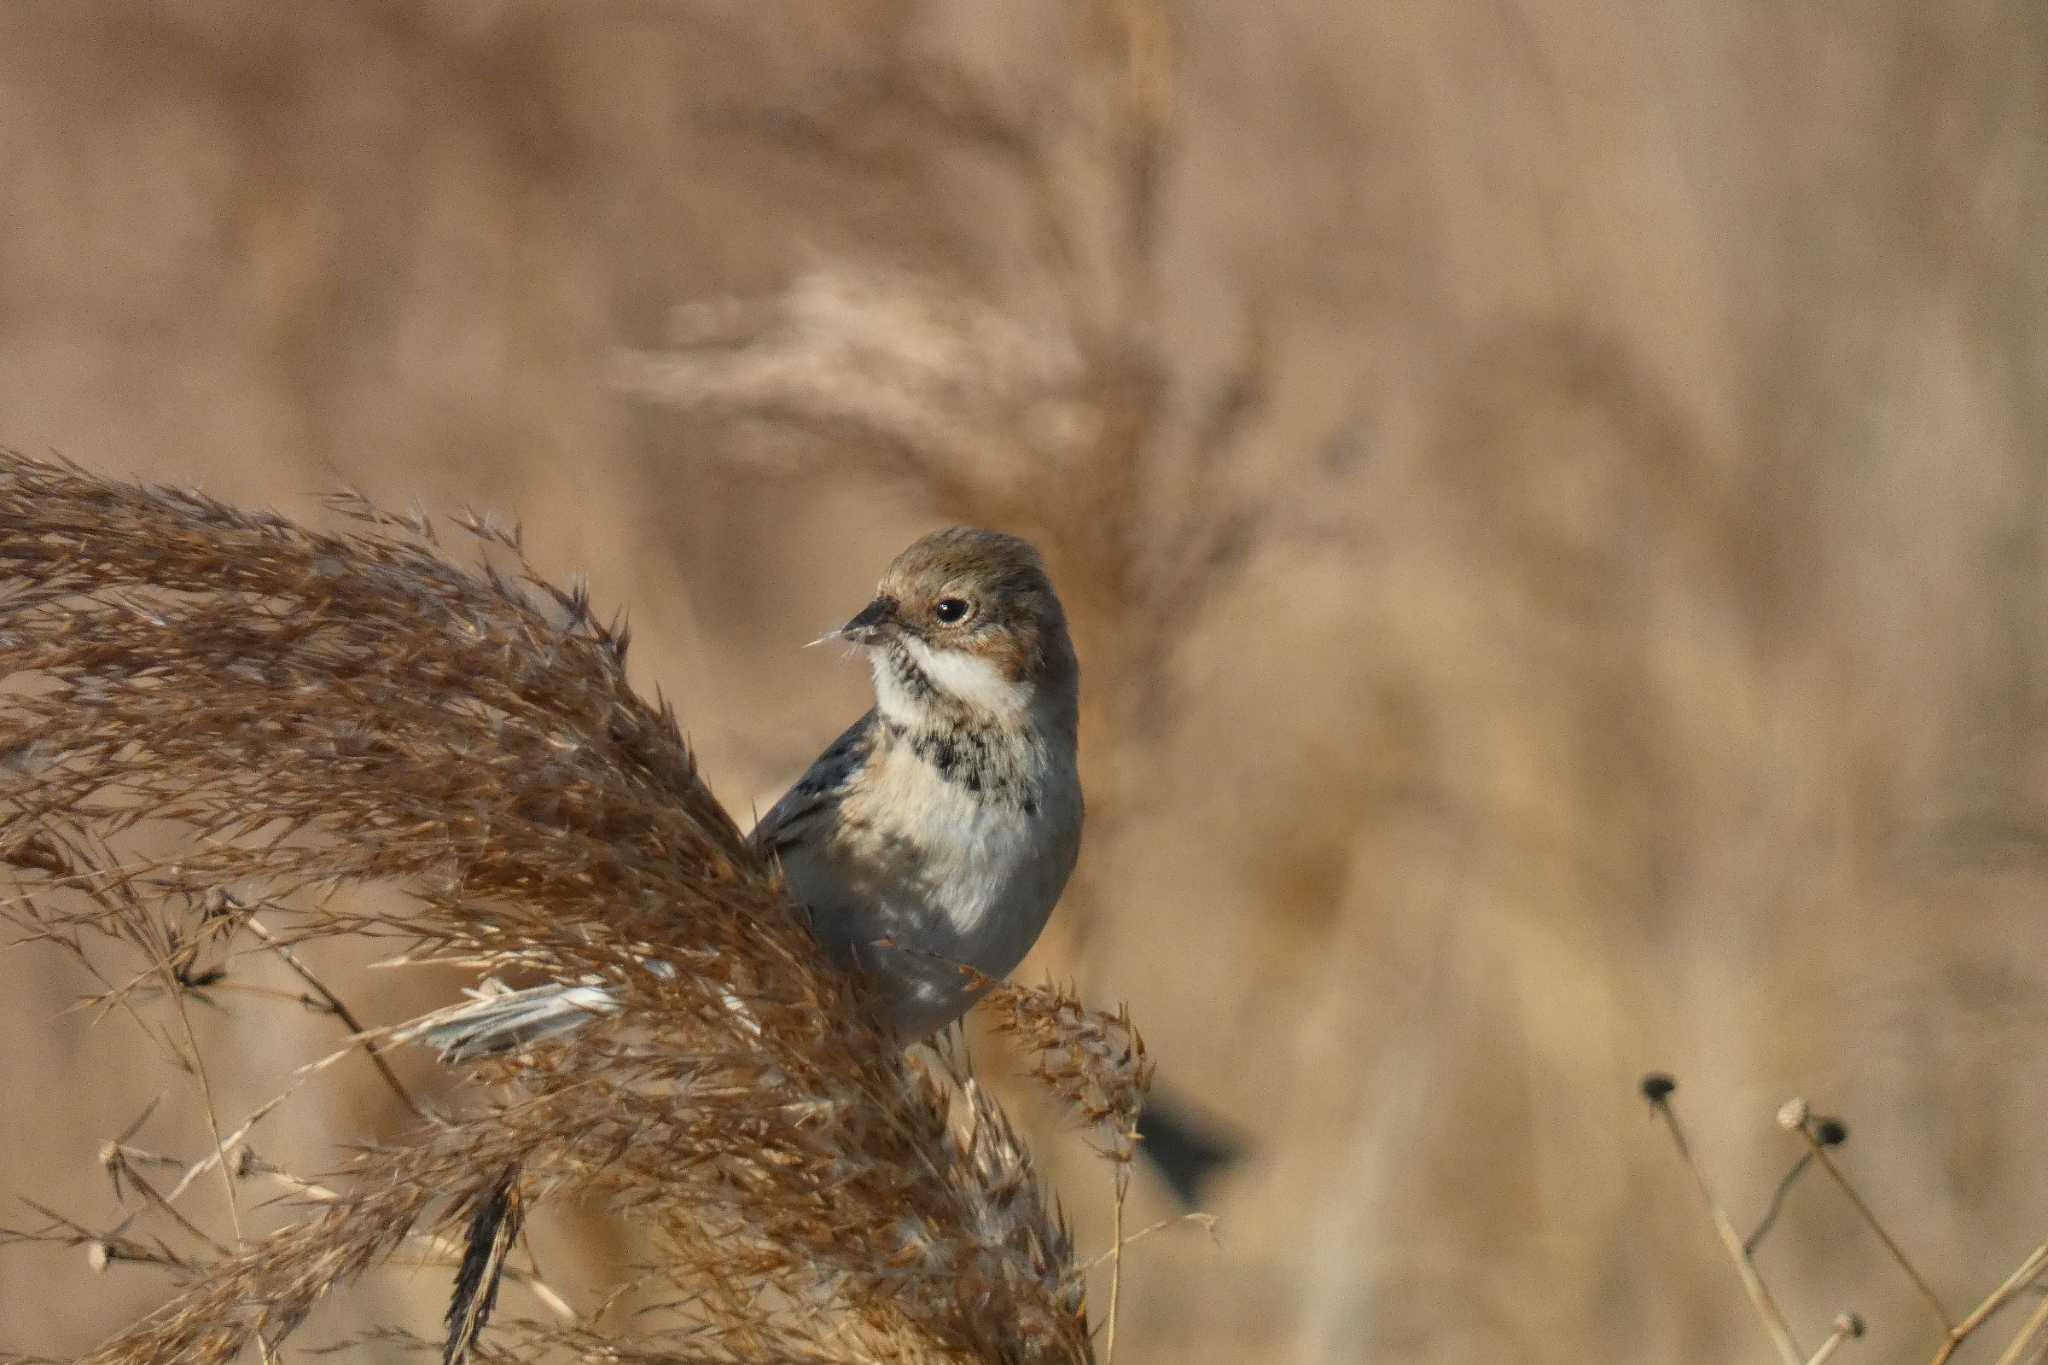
(497, 1019)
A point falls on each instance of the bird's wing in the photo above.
(793, 819)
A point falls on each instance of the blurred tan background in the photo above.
(1552, 496)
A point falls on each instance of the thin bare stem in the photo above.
(1759, 1295)
(2028, 1338)
(264, 1351)
(1116, 1266)
(206, 1098)
(341, 1010)
(262, 1111)
(1777, 1204)
(2014, 1283)
(2031, 1267)
(119, 1166)
(131, 1155)
(253, 1166)
(1202, 1220)
(1820, 1154)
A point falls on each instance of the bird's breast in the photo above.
(963, 864)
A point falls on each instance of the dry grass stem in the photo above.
(1658, 1089)
(2029, 1270)
(1821, 1133)
(336, 1006)
(1095, 1063)
(306, 714)
(2030, 1338)
(1819, 1151)
(1769, 1219)
(1205, 1221)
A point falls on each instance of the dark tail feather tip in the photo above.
(493, 1228)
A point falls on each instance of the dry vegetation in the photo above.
(315, 713)
(1551, 500)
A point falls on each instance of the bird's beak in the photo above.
(876, 622)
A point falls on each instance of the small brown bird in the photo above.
(939, 830)
(946, 820)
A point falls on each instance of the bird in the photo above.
(937, 832)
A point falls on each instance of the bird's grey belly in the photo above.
(912, 935)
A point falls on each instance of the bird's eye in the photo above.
(951, 611)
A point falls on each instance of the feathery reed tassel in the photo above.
(320, 711)
(1093, 1061)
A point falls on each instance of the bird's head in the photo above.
(965, 626)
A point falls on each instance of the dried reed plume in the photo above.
(1048, 406)
(311, 712)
